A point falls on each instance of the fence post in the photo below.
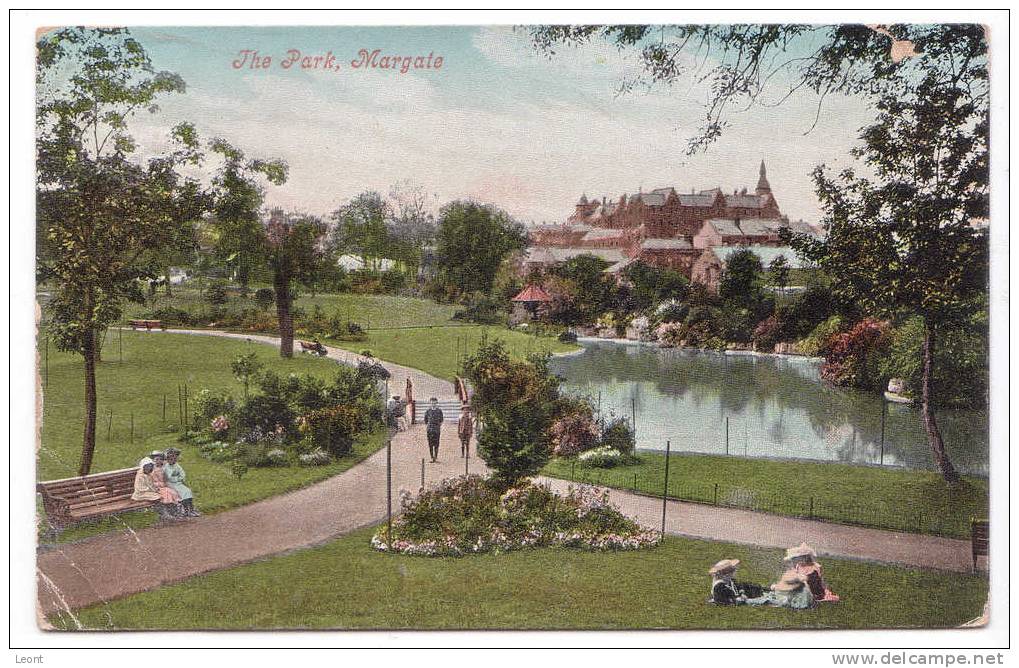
(131, 438)
(164, 408)
(121, 330)
(665, 489)
(109, 426)
(716, 493)
(388, 491)
(422, 473)
(633, 417)
(811, 515)
(635, 482)
(884, 410)
(573, 471)
(726, 434)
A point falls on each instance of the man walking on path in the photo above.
(465, 429)
(433, 427)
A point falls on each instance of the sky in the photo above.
(497, 122)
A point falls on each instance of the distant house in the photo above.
(711, 262)
(356, 263)
(538, 257)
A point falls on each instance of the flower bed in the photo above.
(471, 515)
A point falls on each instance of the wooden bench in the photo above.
(73, 500)
(149, 325)
(980, 541)
(313, 347)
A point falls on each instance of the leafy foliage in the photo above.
(473, 239)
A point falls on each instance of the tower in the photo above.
(763, 187)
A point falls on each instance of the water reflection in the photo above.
(768, 406)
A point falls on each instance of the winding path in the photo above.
(114, 565)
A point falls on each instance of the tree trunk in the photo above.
(281, 286)
(169, 290)
(89, 443)
(930, 424)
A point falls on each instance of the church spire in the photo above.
(763, 187)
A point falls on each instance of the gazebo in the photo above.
(532, 299)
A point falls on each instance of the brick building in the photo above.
(668, 228)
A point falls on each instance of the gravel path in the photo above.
(118, 564)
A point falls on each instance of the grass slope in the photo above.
(438, 350)
(893, 498)
(153, 365)
(344, 584)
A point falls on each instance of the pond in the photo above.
(761, 406)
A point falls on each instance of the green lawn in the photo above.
(887, 498)
(153, 366)
(418, 333)
(344, 584)
(367, 310)
(436, 350)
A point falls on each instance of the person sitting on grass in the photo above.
(801, 559)
(145, 489)
(174, 474)
(725, 590)
(790, 591)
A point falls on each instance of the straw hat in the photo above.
(145, 462)
(156, 453)
(724, 566)
(801, 550)
(790, 581)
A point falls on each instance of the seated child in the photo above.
(801, 559)
(725, 590)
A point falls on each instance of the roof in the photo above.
(554, 255)
(665, 244)
(766, 254)
(650, 199)
(700, 199)
(745, 201)
(532, 293)
(723, 226)
(603, 233)
(619, 266)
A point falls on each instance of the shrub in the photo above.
(853, 358)
(482, 309)
(470, 515)
(218, 451)
(331, 429)
(618, 435)
(316, 457)
(602, 457)
(767, 333)
(816, 342)
(265, 297)
(277, 457)
(672, 311)
(568, 337)
(573, 433)
(216, 294)
(393, 280)
(171, 316)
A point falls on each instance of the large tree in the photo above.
(473, 240)
(901, 235)
(294, 248)
(101, 215)
(361, 226)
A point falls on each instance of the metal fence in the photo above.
(727, 495)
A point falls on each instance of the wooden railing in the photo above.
(461, 390)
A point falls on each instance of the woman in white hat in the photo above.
(802, 560)
(145, 489)
(790, 591)
(725, 590)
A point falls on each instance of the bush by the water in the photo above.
(471, 514)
